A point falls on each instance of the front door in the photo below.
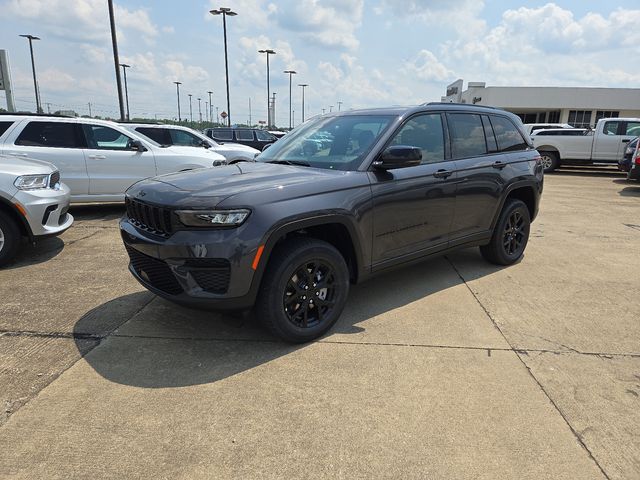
(112, 164)
(413, 207)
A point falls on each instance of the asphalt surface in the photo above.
(451, 368)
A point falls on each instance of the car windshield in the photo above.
(338, 143)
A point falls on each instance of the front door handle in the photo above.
(499, 165)
(16, 154)
(442, 173)
(626, 141)
(97, 157)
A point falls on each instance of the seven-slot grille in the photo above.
(54, 179)
(153, 219)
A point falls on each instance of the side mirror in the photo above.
(137, 146)
(205, 144)
(398, 156)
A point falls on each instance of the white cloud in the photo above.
(426, 66)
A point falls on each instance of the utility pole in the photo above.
(126, 88)
(303, 85)
(224, 11)
(217, 116)
(116, 61)
(200, 109)
(90, 110)
(323, 111)
(339, 105)
(178, 94)
(291, 73)
(267, 52)
(273, 109)
(294, 119)
(210, 107)
(48, 108)
(330, 108)
(190, 110)
(31, 38)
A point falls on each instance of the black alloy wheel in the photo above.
(303, 290)
(510, 235)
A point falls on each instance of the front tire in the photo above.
(510, 235)
(550, 161)
(9, 239)
(304, 290)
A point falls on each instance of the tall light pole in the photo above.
(206, 111)
(303, 85)
(116, 61)
(31, 38)
(200, 108)
(210, 107)
(339, 105)
(330, 108)
(291, 73)
(268, 52)
(190, 110)
(126, 88)
(178, 94)
(224, 11)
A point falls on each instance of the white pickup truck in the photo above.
(604, 144)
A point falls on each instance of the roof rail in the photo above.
(143, 122)
(459, 104)
(31, 114)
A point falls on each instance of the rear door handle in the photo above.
(626, 141)
(499, 165)
(97, 157)
(16, 154)
(442, 173)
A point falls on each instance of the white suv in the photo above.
(98, 159)
(33, 203)
(175, 135)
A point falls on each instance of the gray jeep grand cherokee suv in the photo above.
(290, 232)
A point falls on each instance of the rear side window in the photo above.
(633, 128)
(187, 139)
(51, 134)
(265, 136)
(4, 127)
(158, 135)
(222, 134)
(244, 135)
(492, 146)
(507, 135)
(467, 135)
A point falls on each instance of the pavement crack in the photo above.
(576, 434)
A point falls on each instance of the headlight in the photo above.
(213, 218)
(32, 182)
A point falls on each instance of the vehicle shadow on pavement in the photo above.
(164, 345)
(30, 254)
(102, 211)
(586, 171)
(632, 189)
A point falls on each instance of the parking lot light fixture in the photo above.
(116, 60)
(126, 88)
(303, 85)
(225, 11)
(267, 52)
(200, 108)
(210, 107)
(178, 94)
(290, 72)
(31, 38)
(190, 110)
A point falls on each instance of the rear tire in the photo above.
(304, 290)
(9, 238)
(510, 235)
(550, 161)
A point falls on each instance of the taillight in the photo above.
(637, 155)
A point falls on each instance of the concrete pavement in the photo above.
(448, 369)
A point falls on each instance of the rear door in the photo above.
(112, 165)
(610, 142)
(57, 142)
(483, 147)
(245, 137)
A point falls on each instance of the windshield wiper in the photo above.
(290, 162)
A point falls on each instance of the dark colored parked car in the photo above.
(253, 137)
(630, 162)
(291, 231)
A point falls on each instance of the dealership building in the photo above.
(578, 106)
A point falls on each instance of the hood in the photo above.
(198, 152)
(246, 183)
(24, 166)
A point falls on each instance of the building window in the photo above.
(554, 117)
(606, 114)
(528, 117)
(580, 118)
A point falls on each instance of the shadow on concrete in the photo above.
(588, 171)
(103, 211)
(630, 191)
(30, 254)
(164, 345)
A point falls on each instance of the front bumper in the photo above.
(46, 210)
(204, 269)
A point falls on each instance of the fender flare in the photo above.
(510, 188)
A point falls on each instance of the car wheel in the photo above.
(304, 290)
(9, 238)
(510, 235)
(550, 161)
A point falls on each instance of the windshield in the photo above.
(338, 143)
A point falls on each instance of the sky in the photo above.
(362, 53)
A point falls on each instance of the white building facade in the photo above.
(578, 106)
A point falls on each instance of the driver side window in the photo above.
(426, 133)
(100, 137)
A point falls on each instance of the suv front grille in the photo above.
(147, 217)
(54, 179)
(155, 272)
(212, 274)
